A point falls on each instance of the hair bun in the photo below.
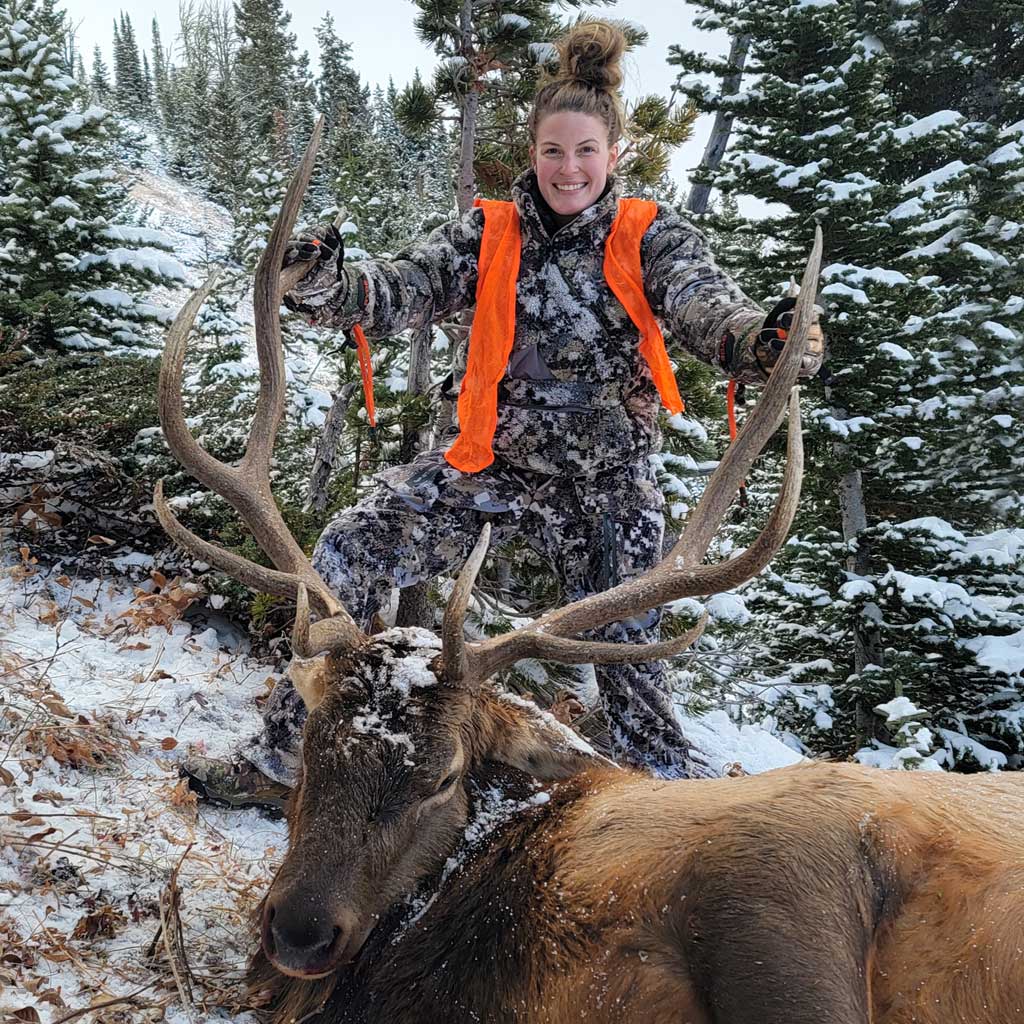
(591, 53)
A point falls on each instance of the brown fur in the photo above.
(819, 894)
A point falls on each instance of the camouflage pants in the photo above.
(592, 538)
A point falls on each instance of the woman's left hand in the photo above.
(771, 339)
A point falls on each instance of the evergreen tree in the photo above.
(99, 80)
(129, 86)
(146, 85)
(266, 70)
(161, 79)
(72, 269)
(903, 584)
(228, 154)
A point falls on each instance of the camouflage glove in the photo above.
(752, 356)
(323, 244)
(331, 293)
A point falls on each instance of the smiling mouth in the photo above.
(575, 187)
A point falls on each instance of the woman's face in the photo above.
(572, 159)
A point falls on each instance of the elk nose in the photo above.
(307, 940)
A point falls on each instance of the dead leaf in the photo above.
(103, 924)
(27, 817)
(49, 796)
(168, 743)
(98, 538)
(6, 777)
(84, 601)
(58, 707)
(26, 1013)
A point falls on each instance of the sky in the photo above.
(384, 43)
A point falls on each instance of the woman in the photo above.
(558, 452)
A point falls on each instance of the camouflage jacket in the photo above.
(575, 366)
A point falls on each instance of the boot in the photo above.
(234, 783)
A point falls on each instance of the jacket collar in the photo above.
(596, 219)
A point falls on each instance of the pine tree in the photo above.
(73, 270)
(161, 80)
(99, 80)
(266, 70)
(129, 86)
(146, 85)
(902, 582)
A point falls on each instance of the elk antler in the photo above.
(246, 487)
(680, 573)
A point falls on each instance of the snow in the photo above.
(937, 178)
(106, 700)
(145, 260)
(865, 275)
(898, 709)
(1003, 655)
(925, 126)
(897, 352)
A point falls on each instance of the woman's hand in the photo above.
(320, 247)
(327, 290)
(754, 355)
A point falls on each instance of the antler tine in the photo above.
(680, 574)
(247, 486)
(456, 654)
(707, 517)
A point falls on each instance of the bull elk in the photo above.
(456, 855)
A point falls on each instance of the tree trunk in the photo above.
(325, 459)
(854, 515)
(466, 187)
(413, 604)
(722, 128)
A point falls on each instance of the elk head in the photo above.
(398, 721)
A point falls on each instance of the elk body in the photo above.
(553, 886)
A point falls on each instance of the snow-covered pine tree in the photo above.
(129, 88)
(266, 69)
(99, 79)
(342, 99)
(161, 80)
(73, 269)
(893, 589)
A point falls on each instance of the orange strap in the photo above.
(624, 274)
(730, 404)
(491, 337)
(366, 372)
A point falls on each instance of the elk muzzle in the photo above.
(305, 937)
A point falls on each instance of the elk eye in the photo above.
(447, 782)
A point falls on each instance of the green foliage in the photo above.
(846, 120)
(70, 272)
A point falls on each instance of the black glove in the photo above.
(323, 245)
(777, 324)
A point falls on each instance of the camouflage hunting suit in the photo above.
(577, 422)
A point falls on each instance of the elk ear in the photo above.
(309, 676)
(517, 733)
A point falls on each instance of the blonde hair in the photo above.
(588, 78)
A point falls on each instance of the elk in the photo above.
(456, 855)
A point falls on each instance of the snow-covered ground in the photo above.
(103, 687)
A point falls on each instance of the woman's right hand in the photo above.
(318, 247)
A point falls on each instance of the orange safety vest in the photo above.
(494, 324)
